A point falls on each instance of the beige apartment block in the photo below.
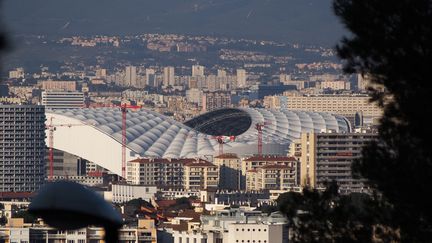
(200, 174)
(256, 161)
(271, 177)
(345, 105)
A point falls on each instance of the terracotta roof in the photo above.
(161, 160)
(140, 161)
(13, 195)
(189, 213)
(165, 203)
(270, 158)
(199, 163)
(183, 226)
(252, 170)
(227, 156)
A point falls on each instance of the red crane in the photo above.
(51, 128)
(259, 127)
(222, 140)
(123, 108)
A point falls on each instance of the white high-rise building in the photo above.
(241, 78)
(197, 71)
(62, 100)
(22, 148)
(130, 76)
(168, 78)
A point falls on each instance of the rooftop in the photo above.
(270, 158)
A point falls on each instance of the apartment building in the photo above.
(51, 85)
(22, 148)
(215, 100)
(164, 173)
(328, 156)
(271, 177)
(122, 193)
(200, 175)
(256, 161)
(345, 105)
(189, 174)
(62, 100)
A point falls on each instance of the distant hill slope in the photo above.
(307, 21)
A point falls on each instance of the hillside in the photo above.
(306, 21)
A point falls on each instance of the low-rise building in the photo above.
(123, 192)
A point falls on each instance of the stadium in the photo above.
(96, 134)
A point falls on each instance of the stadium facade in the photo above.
(95, 134)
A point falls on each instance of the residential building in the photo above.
(122, 193)
(194, 96)
(130, 76)
(51, 85)
(17, 73)
(22, 148)
(197, 71)
(144, 232)
(336, 85)
(272, 102)
(328, 156)
(83, 179)
(256, 161)
(215, 100)
(164, 173)
(62, 100)
(241, 78)
(236, 225)
(150, 77)
(221, 73)
(345, 105)
(168, 78)
(272, 177)
(229, 166)
(200, 174)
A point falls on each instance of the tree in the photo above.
(327, 216)
(391, 42)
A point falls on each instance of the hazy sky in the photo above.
(309, 21)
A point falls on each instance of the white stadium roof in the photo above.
(95, 134)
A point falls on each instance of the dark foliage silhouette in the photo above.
(391, 42)
(330, 217)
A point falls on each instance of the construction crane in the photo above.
(222, 140)
(259, 127)
(123, 108)
(51, 128)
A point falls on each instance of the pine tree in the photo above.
(391, 42)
